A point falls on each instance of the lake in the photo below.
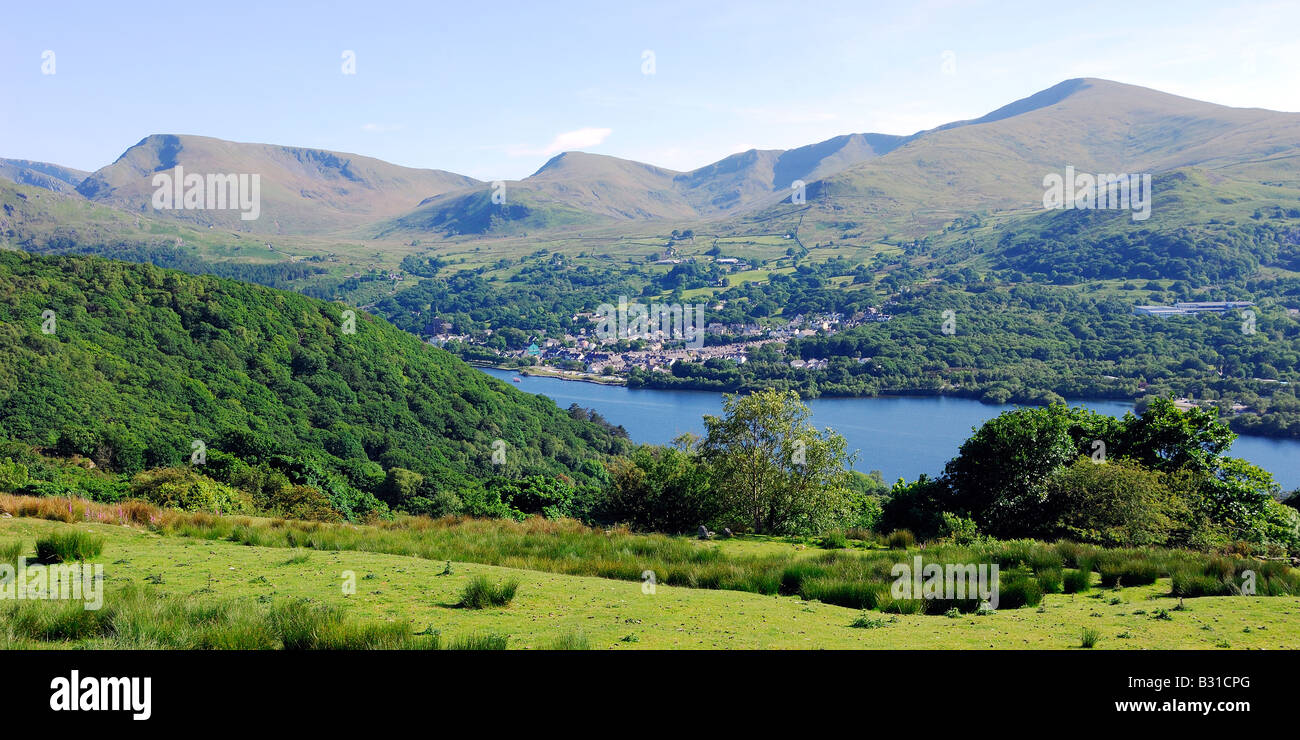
(901, 437)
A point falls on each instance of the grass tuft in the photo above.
(481, 593)
(62, 547)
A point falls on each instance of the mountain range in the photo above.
(878, 183)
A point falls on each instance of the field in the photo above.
(556, 610)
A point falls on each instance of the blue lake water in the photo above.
(900, 437)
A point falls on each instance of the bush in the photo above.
(13, 475)
(481, 593)
(188, 490)
(61, 547)
(959, 530)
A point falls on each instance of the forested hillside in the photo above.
(137, 365)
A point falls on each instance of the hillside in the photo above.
(578, 188)
(141, 362)
(418, 593)
(303, 191)
(41, 174)
(998, 162)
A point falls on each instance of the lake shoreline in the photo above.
(576, 376)
(902, 436)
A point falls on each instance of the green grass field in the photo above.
(551, 608)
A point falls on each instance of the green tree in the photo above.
(773, 471)
(998, 473)
(400, 486)
(664, 489)
(1118, 504)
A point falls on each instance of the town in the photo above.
(587, 351)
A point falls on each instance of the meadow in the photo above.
(176, 580)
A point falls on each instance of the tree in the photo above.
(998, 473)
(1166, 438)
(400, 485)
(772, 470)
(662, 489)
(1118, 504)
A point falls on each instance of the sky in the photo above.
(493, 89)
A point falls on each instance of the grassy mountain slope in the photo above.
(303, 191)
(572, 189)
(54, 177)
(579, 189)
(997, 163)
(143, 361)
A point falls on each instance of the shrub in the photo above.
(61, 547)
(188, 490)
(481, 593)
(13, 475)
(959, 530)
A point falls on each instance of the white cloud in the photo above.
(583, 138)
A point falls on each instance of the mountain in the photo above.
(998, 162)
(742, 179)
(578, 188)
(572, 189)
(303, 191)
(42, 175)
(901, 184)
(135, 363)
(860, 186)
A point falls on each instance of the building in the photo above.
(1190, 308)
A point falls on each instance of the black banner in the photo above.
(1146, 688)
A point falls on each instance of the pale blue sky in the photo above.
(492, 89)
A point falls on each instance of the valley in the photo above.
(947, 219)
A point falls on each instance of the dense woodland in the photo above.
(142, 364)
